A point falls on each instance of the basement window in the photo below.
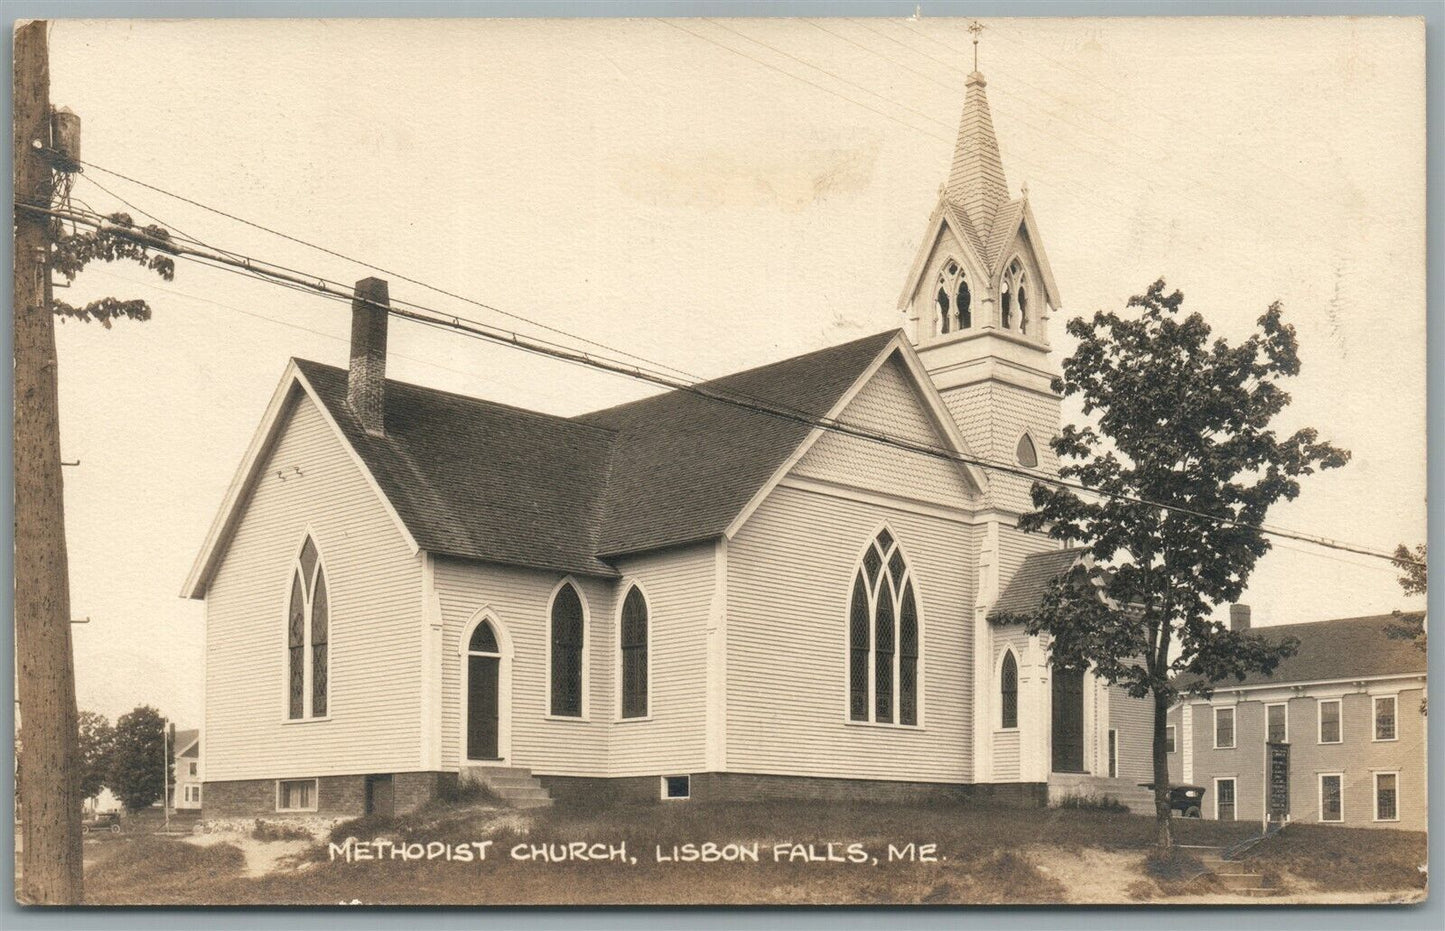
(676, 787)
(296, 795)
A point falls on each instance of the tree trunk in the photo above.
(1162, 810)
(49, 786)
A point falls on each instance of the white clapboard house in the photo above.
(674, 598)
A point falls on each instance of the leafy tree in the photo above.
(122, 240)
(1182, 421)
(140, 767)
(97, 739)
(1411, 564)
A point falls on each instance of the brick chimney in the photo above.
(366, 379)
(1239, 617)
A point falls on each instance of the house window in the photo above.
(1332, 798)
(634, 654)
(193, 794)
(1009, 690)
(1026, 453)
(1224, 799)
(1330, 721)
(883, 638)
(191, 768)
(1224, 728)
(1113, 754)
(566, 647)
(1385, 717)
(1386, 796)
(676, 787)
(296, 795)
(1169, 738)
(308, 635)
(1276, 724)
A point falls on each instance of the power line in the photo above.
(364, 264)
(445, 321)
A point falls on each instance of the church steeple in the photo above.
(976, 184)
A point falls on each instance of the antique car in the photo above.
(1187, 801)
(101, 821)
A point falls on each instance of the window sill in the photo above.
(885, 725)
(568, 718)
(291, 721)
(1395, 820)
(1384, 740)
(997, 730)
(632, 720)
(296, 811)
(1330, 743)
(1226, 748)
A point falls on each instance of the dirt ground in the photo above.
(983, 857)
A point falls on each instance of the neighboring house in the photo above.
(1350, 704)
(189, 776)
(677, 597)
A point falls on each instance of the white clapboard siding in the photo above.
(890, 404)
(1006, 743)
(1133, 718)
(679, 586)
(520, 600)
(374, 584)
(790, 573)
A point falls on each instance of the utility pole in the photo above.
(49, 774)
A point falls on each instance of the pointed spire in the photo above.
(977, 182)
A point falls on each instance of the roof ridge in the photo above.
(468, 398)
(812, 354)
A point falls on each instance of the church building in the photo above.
(784, 585)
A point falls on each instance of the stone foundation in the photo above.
(336, 796)
(749, 787)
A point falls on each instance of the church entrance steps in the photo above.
(1232, 874)
(514, 785)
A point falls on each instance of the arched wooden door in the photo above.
(1068, 721)
(484, 670)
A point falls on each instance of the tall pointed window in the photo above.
(308, 638)
(883, 638)
(952, 300)
(566, 650)
(1008, 687)
(634, 654)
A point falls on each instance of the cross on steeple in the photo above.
(975, 27)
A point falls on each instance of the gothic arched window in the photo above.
(883, 641)
(952, 300)
(1027, 453)
(566, 645)
(1013, 297)
(1008, 688)
(634, 654)
(308, 636)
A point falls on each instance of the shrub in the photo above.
(465, 793)
(276, 831)
(1092, 802)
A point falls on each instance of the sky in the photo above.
(714, 195)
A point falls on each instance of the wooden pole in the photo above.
(49, 777)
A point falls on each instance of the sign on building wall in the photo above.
(1277, 760)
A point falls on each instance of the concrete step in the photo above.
(514, 785)
(488, 769)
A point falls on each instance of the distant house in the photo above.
(680, 597)
(189, 775)
(1350, 704)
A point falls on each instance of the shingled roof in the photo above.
(1344, 649)
(479, 480)
(686, 465)
(1024, 593)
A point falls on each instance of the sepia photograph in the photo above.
(835, 461)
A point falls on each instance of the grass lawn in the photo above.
(980, 856)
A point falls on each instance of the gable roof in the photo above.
(1024, 593)
(478, 480)
(186, 741)
(481, 480)
(686, 465)
(1347, 648)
